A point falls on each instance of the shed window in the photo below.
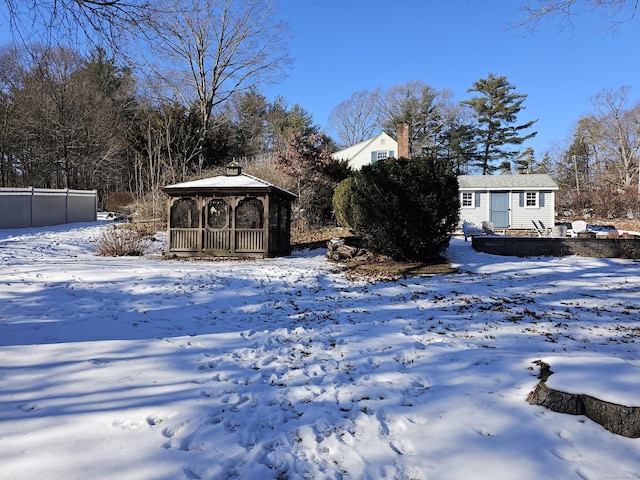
(184, 213)
(467, 199)
(249, 213)
(531, 199)
(217, 213)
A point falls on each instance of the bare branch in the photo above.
(92, 22)
(615, 12)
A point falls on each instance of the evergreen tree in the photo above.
(406, 208)
(525, 161)
(496, 109)
(286, 122)
(544, 165)
(574, 169)
(427, 112)
(249, 119)
(459, 147)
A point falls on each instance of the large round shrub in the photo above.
(343, 203)
(406, 208)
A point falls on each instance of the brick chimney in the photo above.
(403, 140)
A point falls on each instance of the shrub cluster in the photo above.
(119, 241)
(604, 202)
(404, 208)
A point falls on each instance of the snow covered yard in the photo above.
(143, 368)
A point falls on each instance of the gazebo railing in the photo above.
(246, 240)
(184, 238)
(249, 240)
(216, 240)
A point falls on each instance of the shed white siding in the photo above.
(531, 198)
(479, 209)
(523, 216)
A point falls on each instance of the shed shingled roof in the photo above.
(507, 182)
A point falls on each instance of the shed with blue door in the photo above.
(508, 201)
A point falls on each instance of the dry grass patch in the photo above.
(368, 265)
(123, 240)
(380, 268)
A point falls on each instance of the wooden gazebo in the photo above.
(232, 215)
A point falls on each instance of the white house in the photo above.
(508, 201)
(368, 151)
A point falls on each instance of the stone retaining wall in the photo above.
(558, 247)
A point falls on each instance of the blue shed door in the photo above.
(499, 209)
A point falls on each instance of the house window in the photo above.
(531, 199)
(382, 154)
(467, 199)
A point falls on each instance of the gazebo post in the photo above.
(201, 226)
(233, 203)
(265, 224)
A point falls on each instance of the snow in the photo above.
(225, 181)
(148, 368)
(610, 379)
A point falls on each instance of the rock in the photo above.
(339, 251)
(619, 419)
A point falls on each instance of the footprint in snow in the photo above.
(126, 424)
(155, 420)
(29, 407)
(99, 361)
(395, 427)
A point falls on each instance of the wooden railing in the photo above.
(184, 239)
(216, 240)
(246, 240)
(249, 240)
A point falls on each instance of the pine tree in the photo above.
(496, 109)
(525, 162)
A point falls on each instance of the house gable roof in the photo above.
(353, 151)
(507, 182)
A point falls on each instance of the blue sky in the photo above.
(341, 47)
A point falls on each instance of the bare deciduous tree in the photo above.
(12, 66)
(206, 50)
(616, 135)
(356, 119)
(66, 127)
